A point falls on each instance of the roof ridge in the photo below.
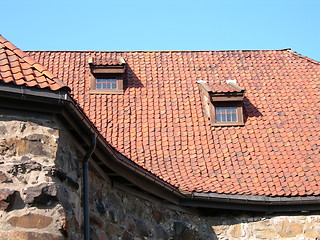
(118, 51)
(37, 66)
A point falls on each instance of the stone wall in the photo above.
(119, 215)
(29, 193)
(267, 227)
(40, 197)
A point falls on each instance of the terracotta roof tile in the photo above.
(222, 88)
(159, 124)
(17, 68)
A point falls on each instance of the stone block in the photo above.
(100, 206)
(41, 194)
(19, 235)
(157, 215)
(267, 233)
(236, 231)
(160, 233)
(220, 229)
(31, 221)
(311, 230)
(96, 220)
(142, 228)
(182, 232)
(289, 229)
(113, 230)
(126, 236)
(130, 223)
(24, 146)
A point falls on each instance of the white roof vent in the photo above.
(201, 81)
(233, 83)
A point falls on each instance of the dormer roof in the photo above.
(228, 86)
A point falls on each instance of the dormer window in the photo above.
(226, 114)
(107, 78)
(223, 103)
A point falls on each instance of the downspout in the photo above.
(85, 167)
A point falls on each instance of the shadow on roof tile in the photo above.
(250, 110)
(131, 80)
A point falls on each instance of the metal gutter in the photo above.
(249, 199)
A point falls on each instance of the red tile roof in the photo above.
(222, 88)
(98, 60)
(159, 123)
(18, 68)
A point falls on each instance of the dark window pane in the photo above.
(220, 109)
(234, 117)
(226, 114)
(106, 83)
(229, 118)
(223, 118)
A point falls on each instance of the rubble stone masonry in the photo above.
(40, 197)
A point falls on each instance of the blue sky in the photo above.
(163, 25)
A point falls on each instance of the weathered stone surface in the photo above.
(288, 229)
(31, 221)
(64, 177)
(6, 197)
(142, 228)
(93, 234)
(95, 219)
(236, 231)
(100, 206)
(182, 232)
(3, 129)
(160, 233)
(267, 233)
(43, 194)
(113, 230)
(25, 167)
(116, 215)
(311, 231)
(63, 197)
(4, 178)
(21, 147)
(16, 202)
(19, 235)
(126, 236)
(102, 235)
(157, 215)
(130, 223)
(220, 230)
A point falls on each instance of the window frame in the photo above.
(107, 73)
(239, 108)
